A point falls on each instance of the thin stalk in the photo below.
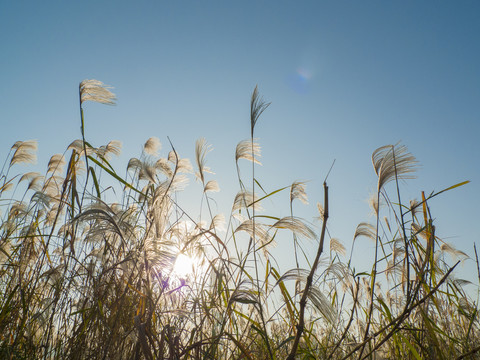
(407, 257)
(253, 241)
(295, 240)
(476, 261)
(82, 129)
(374, 277)
(345, 331)
(257, 107)
(395, 323)
(303, 300)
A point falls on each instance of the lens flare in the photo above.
(299, 81)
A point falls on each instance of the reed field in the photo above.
(90, 273)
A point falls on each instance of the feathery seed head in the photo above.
(25, 152)
(387, 223)
(29, 176)
(218, 222)
(201, 150)
(163, 165)
(373, 202)
(418, 230)
(114, 147)
(152, 146)
(36, 183)
(211, 186)
(365, 229)
(393, 161)
(184, 166)
(244, 151)
(321, 211)
(295, 225)
(246, 199)
(454, 253)
(96, 91)
(77, 145)
(256, 230)
(297, 191)
(414, 207)
(337, 246)
(143, 169)
(172, 157)
(56, 163)
(257, 107)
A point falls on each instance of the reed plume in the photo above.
(96, 91)
(88, 264)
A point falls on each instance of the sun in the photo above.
(184, 266)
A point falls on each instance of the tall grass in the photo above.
(84, 276)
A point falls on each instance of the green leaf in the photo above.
(95, 181)
(115, 175)
(410, 346)
(266, 196)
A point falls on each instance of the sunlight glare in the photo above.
(183, 265)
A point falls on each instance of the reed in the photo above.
(90, 273)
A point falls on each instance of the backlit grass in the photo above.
(137, 277)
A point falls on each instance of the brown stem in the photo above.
(303, 301)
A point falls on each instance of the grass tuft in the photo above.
(92, 264)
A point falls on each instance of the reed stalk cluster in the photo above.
(91, 273)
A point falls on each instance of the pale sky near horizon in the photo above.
(343, 77)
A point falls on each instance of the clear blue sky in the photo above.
(344, 77)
